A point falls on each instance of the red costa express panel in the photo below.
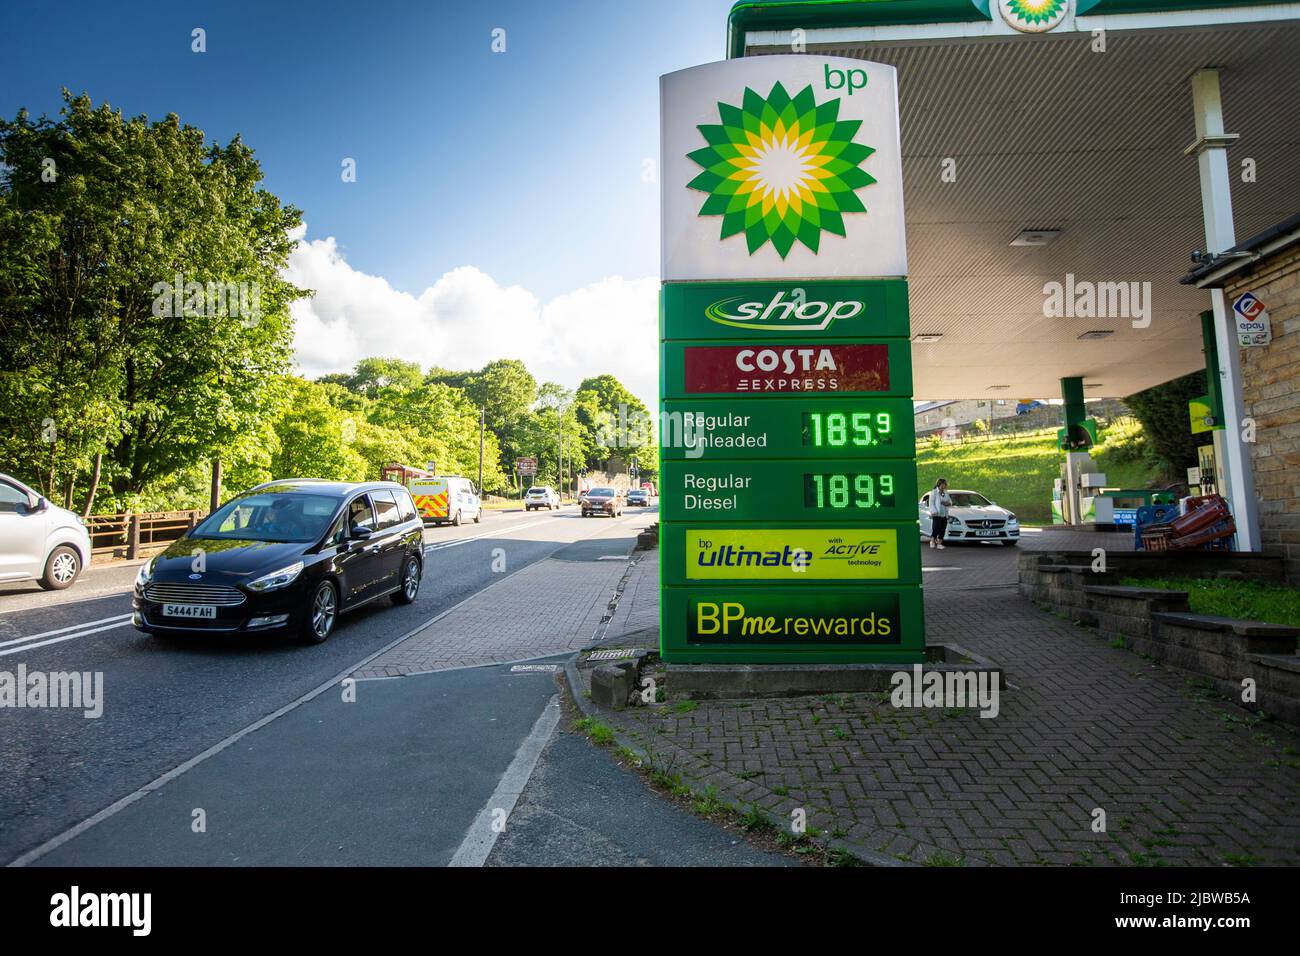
(787, 369)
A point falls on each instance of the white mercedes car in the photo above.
(973, 517)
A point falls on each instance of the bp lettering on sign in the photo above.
(787, 460)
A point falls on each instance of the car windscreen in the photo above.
(601, 493)
(968, 499)
(273, 516)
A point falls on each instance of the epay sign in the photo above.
(1253, 327)
(781, 166)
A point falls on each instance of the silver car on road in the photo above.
(38, 539)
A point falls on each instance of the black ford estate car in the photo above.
(287, 555)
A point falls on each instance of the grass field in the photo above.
(1248, 600)
(1017, 471)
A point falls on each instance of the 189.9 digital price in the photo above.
(847, 429)
(861, 491)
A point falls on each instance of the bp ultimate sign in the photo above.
(788, 458)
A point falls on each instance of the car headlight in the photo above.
(954, 521)
(277, 579)
(144, 575)
(1011, 519)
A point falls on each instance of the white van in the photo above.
(446, 499)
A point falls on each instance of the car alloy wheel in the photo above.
(322, 613)
(410, 582)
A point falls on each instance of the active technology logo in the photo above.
(779, 314)
(781, 169)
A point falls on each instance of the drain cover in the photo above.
(612, 654)
(534, 668)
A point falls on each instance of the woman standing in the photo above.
(939, 505)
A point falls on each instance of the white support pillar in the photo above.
(1211, 150)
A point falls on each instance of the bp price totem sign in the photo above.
(787, 457)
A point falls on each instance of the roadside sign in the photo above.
(787, 446)
(526, 466)
(1253, 326)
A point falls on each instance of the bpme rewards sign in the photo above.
(787, 458)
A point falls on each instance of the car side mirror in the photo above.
(41, 504)
(360, 533)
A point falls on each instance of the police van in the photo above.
(446, 499)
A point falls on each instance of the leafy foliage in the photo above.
(1162, 410)
(100, 217)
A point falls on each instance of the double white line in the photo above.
(444, 545)
(21, 645)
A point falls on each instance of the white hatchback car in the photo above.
(39, 540)
(973, 517)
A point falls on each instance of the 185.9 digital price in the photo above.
(847, 429)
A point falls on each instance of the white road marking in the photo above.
(482, 835)
(120, 618)
(60, 640)
(429, 548)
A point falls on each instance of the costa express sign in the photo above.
(785, 368)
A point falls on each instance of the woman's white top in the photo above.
(939, 503)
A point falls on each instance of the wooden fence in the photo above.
(129, 535)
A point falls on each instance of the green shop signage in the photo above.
(710, 310)
(787, 458)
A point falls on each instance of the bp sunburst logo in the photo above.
(1032, 16)
(781, 169)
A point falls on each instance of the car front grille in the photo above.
(176, 593)
(985, 523)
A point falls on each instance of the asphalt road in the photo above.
(398, 776)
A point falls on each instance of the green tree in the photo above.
(1162, 410)
(373, 375)
(614, 421)
(142, 312)
(313, 438)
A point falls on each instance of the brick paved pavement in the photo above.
(1184, 777)
(547, 608)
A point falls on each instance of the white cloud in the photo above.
(467, 319)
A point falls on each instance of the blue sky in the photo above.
(500, 208)
(525, 164)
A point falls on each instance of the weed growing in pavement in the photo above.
(598, 733)
(708, 803)
(685, 706)
(755, 820)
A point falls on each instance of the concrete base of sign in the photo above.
(738, 681)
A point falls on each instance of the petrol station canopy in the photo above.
(1046, 132)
